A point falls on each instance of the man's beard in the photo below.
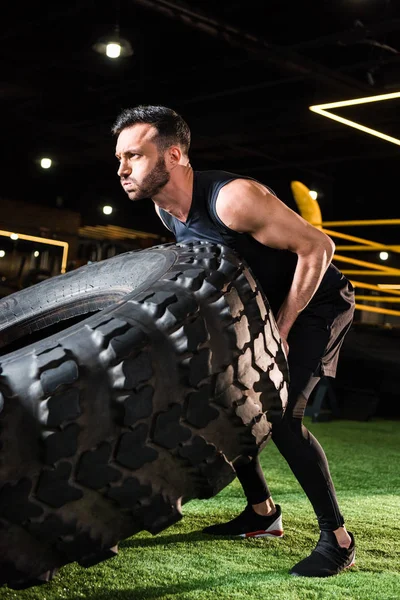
(153, 183)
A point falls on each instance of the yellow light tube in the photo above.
(41, 240)
(322, 109)
(394, 299)
(376, 246)
(369, 244)
(364, 100)
(377, 309)
(364, 263)
(361, 223)
(386, 288)
(362, 272)
(346, 236)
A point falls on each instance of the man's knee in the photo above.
(291, 423)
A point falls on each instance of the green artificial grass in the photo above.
(183, 564)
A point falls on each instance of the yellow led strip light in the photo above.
(41, 240)
(322, 109)
(309, 210)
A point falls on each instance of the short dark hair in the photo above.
(171, 127)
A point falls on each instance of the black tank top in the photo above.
(273, 268)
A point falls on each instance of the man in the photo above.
(312, 301)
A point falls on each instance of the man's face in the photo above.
(142, 170)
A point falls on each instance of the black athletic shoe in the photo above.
(327, 559)
(250, 525)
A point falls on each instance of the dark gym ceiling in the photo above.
(241, 72)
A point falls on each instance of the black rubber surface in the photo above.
(107, 427)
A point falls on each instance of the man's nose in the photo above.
(123, 168)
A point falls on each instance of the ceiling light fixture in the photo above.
(113, 45)
(322, 109)
(45, 163)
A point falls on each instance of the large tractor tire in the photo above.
(127, 388)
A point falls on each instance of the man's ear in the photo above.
(174, 156)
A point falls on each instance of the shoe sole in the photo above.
(275, 530)
(353, 562)
(261, 534)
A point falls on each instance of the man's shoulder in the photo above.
(219, 178)
(216, 180)
(218, 175)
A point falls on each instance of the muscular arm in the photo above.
(247, 206)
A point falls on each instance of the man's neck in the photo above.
(176, 197)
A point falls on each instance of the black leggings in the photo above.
(314, 344)
(308, 463)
